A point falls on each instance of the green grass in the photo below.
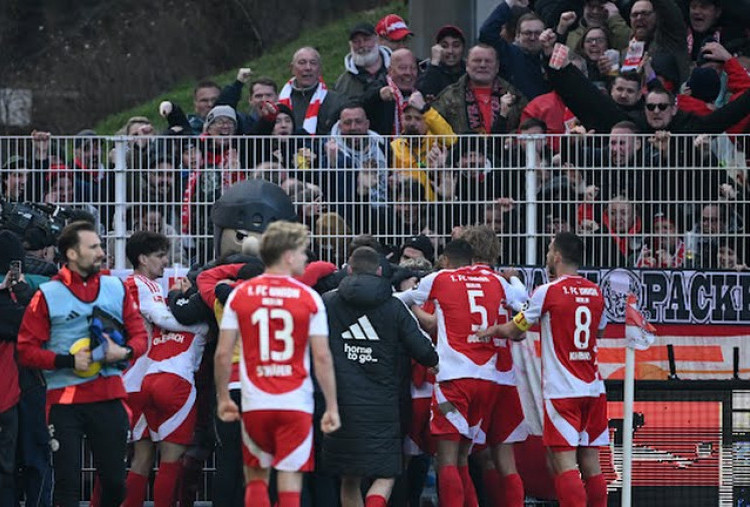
(330, 40)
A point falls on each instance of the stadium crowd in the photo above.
(632, 117)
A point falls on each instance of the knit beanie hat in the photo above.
(704, 84)
(218, 112)
(284, 109)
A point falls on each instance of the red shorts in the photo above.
(575, 422)
(419, 440)
(165, 406)
(282, 439)
(462, 408)
(507, 424)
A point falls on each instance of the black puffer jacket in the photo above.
(372, 337)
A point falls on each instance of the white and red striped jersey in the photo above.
(172, 347)
(275, 315)
(571, 311)
(466, 300)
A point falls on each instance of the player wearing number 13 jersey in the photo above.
(277, 318)
(571, 311)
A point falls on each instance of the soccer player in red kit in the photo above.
(279, 322)
(161, 384)
(571, 311)
(466, 299)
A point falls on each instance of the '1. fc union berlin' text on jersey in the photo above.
(275, 315)
(571, 310)
(466, 300)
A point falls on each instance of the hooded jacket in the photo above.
(372, 338)
(353, 82)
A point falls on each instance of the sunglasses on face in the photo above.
(661, 106)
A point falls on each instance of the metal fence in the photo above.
(674, 201)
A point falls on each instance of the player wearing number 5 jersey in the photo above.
(276, 317)
(467, 298)
(571, 311)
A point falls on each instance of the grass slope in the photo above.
(330, 40)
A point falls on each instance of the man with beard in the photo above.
(84, 395)
(385, 105)
(366, 64)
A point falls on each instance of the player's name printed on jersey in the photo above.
(580, 355)
(274, 370)
(273, 296)
(168, 337)
(360, 330)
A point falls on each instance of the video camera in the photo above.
(19, 217)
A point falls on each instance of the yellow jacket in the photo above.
(410, 154)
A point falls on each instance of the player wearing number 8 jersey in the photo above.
(276, 317)
(571, 311)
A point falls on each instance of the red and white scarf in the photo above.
(400, 104)
(311, 115)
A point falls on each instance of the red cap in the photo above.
(393, 27)
(450, 30)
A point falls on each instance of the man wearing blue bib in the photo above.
(83, 397)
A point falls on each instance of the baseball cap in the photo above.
(452, 31)
(393, 27)
(363, 28)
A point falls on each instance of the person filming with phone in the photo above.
(15, 293)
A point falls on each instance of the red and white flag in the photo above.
(639, 333)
